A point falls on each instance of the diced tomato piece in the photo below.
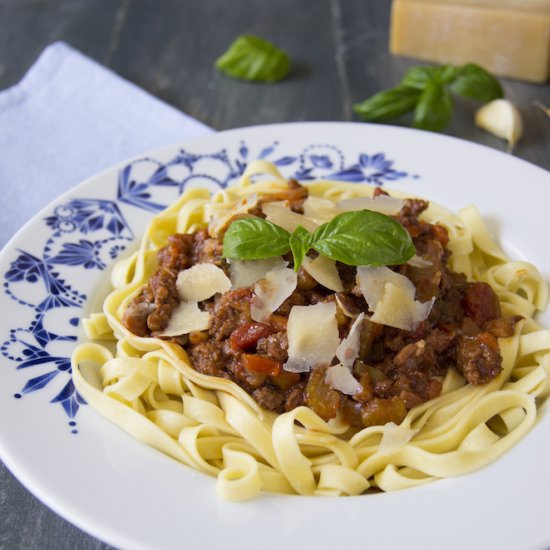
(246, 336)
(261, 364)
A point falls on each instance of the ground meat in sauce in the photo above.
(397, 370)
(229, 312)
(274, 345)
(208, 358)
(150, 311)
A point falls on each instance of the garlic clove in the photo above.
(501, 118)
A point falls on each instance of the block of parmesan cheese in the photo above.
(510, 38)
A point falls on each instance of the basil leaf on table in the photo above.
(388, 104)
(434, 109)
(255, 239)
(418, 77)
(363, 238)
(253, 58)
(300, 243)
(427, 91)
(474, 82)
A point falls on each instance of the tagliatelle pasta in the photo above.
(148, 387)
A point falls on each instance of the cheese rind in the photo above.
(508, 38)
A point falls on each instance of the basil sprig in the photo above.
(388, 104)
(434, 108)
(300, 243)
(363, 238)
(353, 238)
(475, 83)
(255, 239)
(427, 93)
(253, 58)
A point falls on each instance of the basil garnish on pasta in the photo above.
(255, 239)
(353, 238)
(300, 243)
(364, 238)
(253, 58)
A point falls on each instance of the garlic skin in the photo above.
(501, 118)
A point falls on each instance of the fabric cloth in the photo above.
(68, 119)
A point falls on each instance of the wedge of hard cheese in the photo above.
(507, 37)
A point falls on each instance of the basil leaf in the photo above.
(363, 238)
(418, 77)
(255, 239)
(388, 104)
(300, 243)
(434, 109)
(474, 82)
(253, 58)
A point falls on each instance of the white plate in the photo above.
(119, 490)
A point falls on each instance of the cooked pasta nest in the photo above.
(148, 387)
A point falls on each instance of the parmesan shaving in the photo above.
(319, 209)
(313, 338)
(372, 281)
(246, 272)
(390, 297)
(340, 378)
(201, 282)
(382, 203)
(271, 291)
(324, 271)
(399, 309)
(348, 350)
(394, 438)
(280, 214)
(186, 318)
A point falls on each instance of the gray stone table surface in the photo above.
(340, 56)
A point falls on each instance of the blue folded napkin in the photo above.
(68, 119)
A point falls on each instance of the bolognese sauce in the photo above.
(396, 369)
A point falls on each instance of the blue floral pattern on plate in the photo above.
(88, 233)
